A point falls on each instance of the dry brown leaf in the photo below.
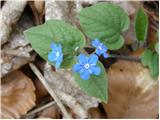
(40, 89)
(96, 113)
(39, 5)
(132, 92)
(52, 112)
(17, 95)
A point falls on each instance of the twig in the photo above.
(50, 90)
(40, 109)
(130, 58)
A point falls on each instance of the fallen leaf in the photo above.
(40, 89)
(96, 113)
(39, 5)
(17, 95)
(41, 117)
(132, 92)
(52, 112)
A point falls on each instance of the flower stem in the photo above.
(130, 58)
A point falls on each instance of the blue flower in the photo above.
(87, 66)
(100, 48)
(56, 54)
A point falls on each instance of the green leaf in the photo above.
(154, 65)
(96, 86)
(105, 21)
(146, 57)
(157, 47)
(56, 31)
(141, 25)
(151, 60)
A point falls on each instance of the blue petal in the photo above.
(59, 48)
(96, 42)
(77, 67)
(95, 70)
(82, 59)
(85, 75)
(93, 59)
(51, 56)
(104, 48)
(53, 45)
(98, 52)
(59, 61)
(105, 55)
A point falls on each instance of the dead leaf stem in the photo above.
(39, 109)
(50, 90)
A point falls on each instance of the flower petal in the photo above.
(59, 48)
(105, 55)
(93, 59)
(95, 70)
(51, 56)
(98, 52)
(53, 45)
(96, 42)
(82, 59)
(59, 61)
(77, 67)
(104, 48)
(85, 75)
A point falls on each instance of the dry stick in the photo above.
(50, 90)
(40, 109)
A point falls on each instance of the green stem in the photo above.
(130, 58)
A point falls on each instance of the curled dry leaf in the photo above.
(17, 52)
(132, 92)
(17, 95)
(10, 12)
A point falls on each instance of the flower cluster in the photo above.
(86, 65)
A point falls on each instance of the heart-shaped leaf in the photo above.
(157, 47)
(105, 21)
(56, 31)
(150, 59)
(96, 86)
(141, 25)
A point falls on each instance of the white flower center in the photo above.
(86, 66)
(57, 54)
(100, 46)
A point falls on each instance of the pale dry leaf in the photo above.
(17, 95)
(17, 52)
(62, 10)
(132, 92)
(10, 13)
